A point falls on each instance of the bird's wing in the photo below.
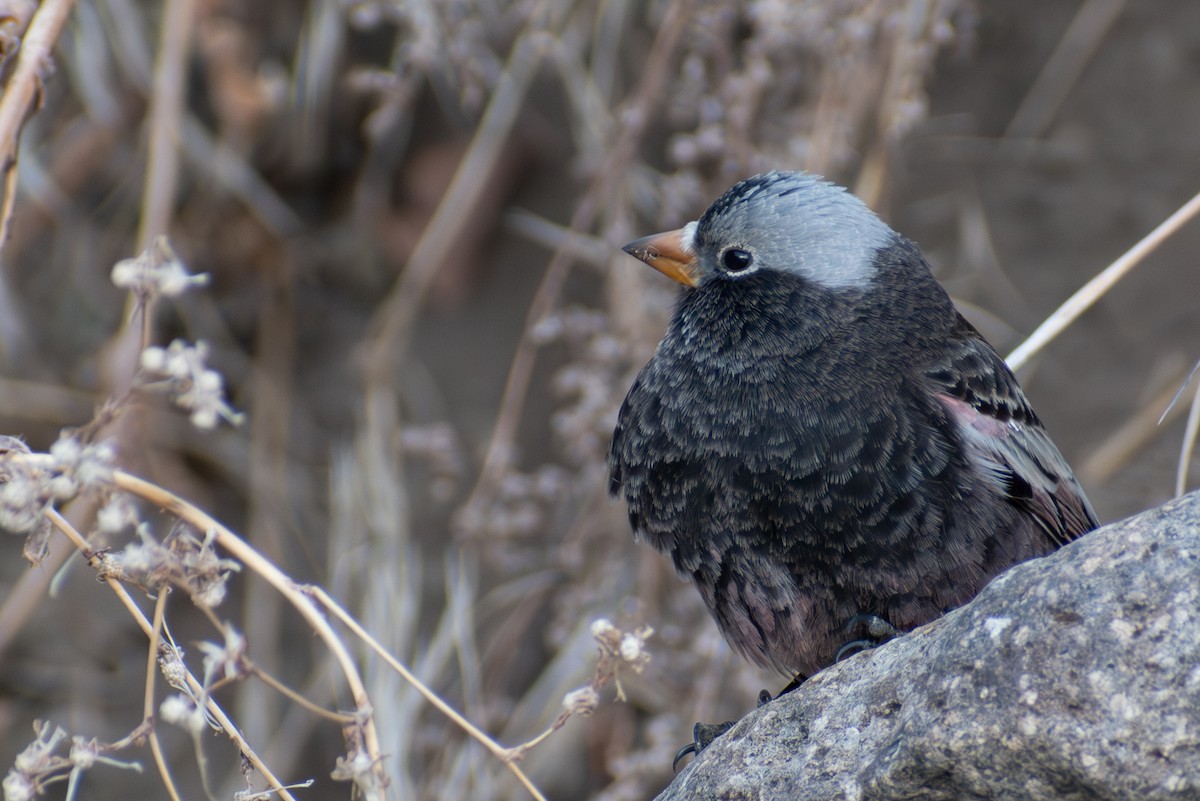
(1006, 439)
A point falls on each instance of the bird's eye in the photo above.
(736, 260)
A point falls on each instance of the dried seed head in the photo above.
(156, 271)
(582, 701)
(180, 370)
(183, 712)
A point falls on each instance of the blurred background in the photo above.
(412, 213)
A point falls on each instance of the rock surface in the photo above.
(1075, 676)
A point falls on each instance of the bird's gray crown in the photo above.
(799, 223)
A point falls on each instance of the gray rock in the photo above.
(1075, 676)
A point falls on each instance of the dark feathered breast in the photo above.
(802, 468)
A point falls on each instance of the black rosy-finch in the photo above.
(821, 439)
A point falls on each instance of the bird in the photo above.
(821, 442)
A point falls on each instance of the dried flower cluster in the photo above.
(185, 712)
(356, 765)
(180, 370)
(182, 560)
(620, 649)
(156, 272)
(39, 765)
(32, 482)
(223, 663)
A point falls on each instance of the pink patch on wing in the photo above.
(970, 417)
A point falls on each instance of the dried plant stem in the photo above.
(148, 702)
(162, 161)
(240, 550)
(214, 709)
(1189, 443)
(1093, 290)
(398, 312)
(270, 417)
(166, 110)
(28, 592)
(654, 76)
(1076, 48)
(1120, 446)
(19, 93)
(507, 755)
(341, 718)
(281, 688)
(83, 546)
(519, 751)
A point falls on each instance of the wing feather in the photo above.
(1005, 438)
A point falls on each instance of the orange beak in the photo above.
(664, 252)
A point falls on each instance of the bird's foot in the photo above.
(765, 697)
(704, 733)
(867, 631)
(853, 647)
(702, 736)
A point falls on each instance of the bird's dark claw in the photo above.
(690, 748)
(702, 736)
(853, 647)
(869, 631)
(704, 733)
